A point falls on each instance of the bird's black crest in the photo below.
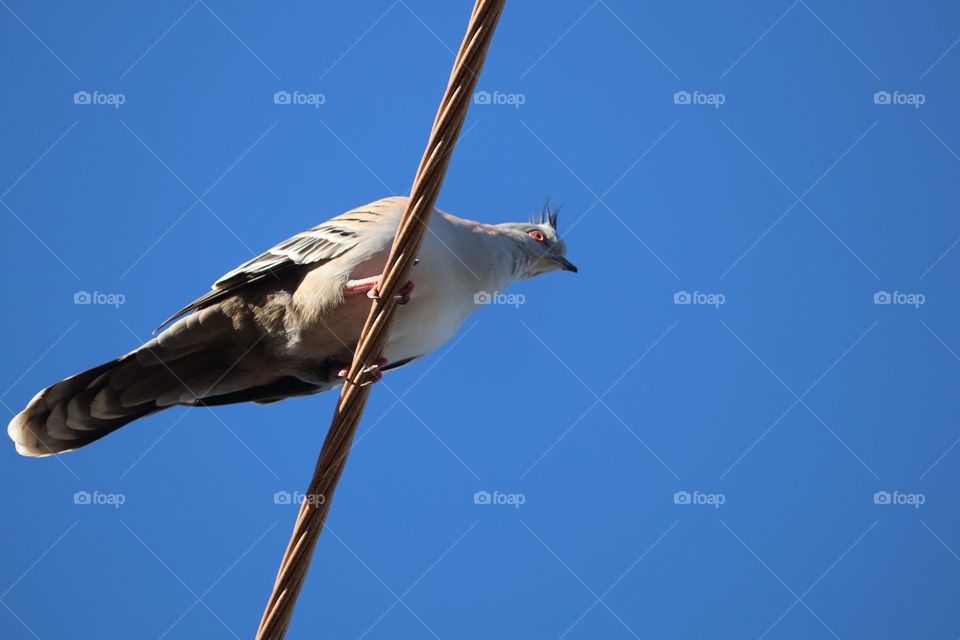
(547, 215)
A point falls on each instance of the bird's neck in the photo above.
(486, 254)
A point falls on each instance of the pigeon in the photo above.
(286, 322)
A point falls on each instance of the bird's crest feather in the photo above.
(547, 215)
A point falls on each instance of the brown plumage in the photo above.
(281, 324)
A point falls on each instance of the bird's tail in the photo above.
(69, 415)
(184, 365)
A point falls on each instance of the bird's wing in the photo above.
(326, 241)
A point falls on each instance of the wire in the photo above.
(406, 244)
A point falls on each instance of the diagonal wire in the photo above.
(355, 392)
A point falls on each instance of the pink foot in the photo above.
(360, 286)
(373, 373)
(369, 284)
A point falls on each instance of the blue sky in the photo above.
(738, 420)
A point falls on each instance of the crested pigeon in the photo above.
(286, 322)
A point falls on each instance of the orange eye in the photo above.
(537, 235)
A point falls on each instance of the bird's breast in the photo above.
(450, 272)
(437, 309)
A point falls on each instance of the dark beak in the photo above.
(565, 264)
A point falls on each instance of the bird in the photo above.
(286, 322)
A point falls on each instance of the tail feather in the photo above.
(59, 418)
(205, 358)
(183, 365)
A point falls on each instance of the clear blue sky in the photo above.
(685, 470)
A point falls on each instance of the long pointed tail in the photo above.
(188, 363)
(89, 405)
(74, 412)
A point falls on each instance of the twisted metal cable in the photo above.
(406, 244)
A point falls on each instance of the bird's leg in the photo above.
(360, 286)
(369, 284)
(373, 372)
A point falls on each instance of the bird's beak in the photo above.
(565, 264)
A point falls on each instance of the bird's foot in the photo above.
(368, 375)
(362, 285)
(369, 285)
(402, 298)
(405, 292)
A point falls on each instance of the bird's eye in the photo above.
(537, 235)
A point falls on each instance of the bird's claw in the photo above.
(368, 375)
(405, 292)
(403, 298)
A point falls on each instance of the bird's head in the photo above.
(540, 247)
